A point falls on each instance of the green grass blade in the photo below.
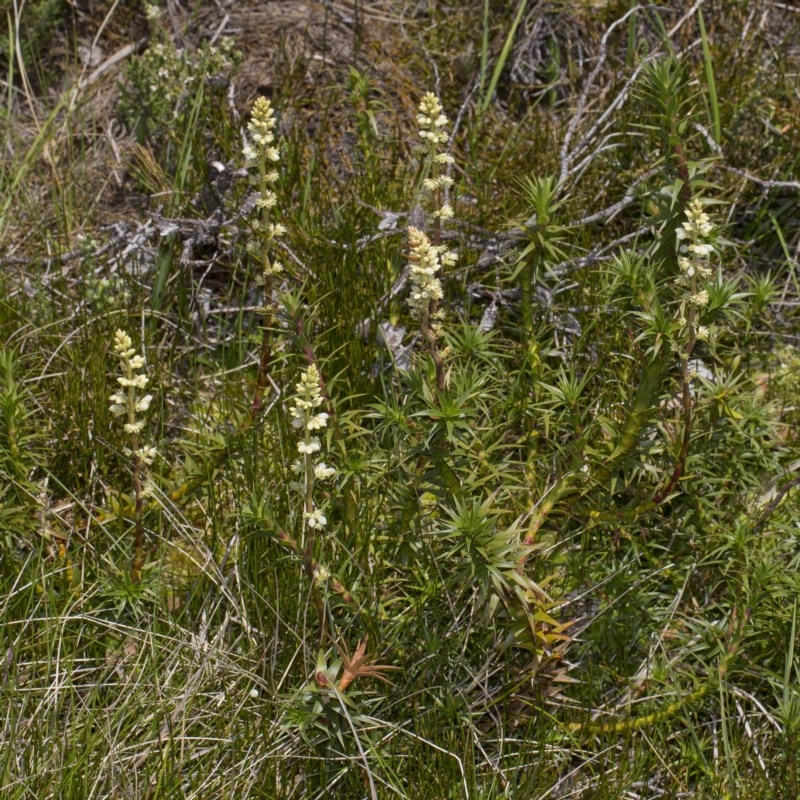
(501, 61)
(708, 68)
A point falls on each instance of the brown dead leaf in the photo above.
(359, 666)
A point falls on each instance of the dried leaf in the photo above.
(359, 666)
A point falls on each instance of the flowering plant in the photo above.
(260, 152)
(428, 258)
(126, 402)
(308, 419)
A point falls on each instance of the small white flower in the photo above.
(445, 212)
(147, 454)
(269, 200)
(307, 448)
(705, 272)
(298, 415)
(315, 519)
(144, 403)
(317, 422)
(119, 404)
(700, 299)
(322, 471)
(701, 250)
(321, 573)
(449, 259)
(134, 427)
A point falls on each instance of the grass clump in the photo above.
(463, 478)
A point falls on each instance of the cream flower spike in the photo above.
(423, 271)
(306, 419)
(125, 401)
(260, 151)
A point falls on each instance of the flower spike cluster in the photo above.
(694, 250)
(261, 127)
(432, 123)
(128, 403)
(691, 235)
(262, 153)
(307, 418)
(428, 257)
(125, 400)
(424, 266)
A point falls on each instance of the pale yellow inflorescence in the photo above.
(427, 260)
(432, 130)
(307, 418)
(261, 127)
(125, 400)
(694, 251)
(691, 235)
(260, 151)
(424, 267)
